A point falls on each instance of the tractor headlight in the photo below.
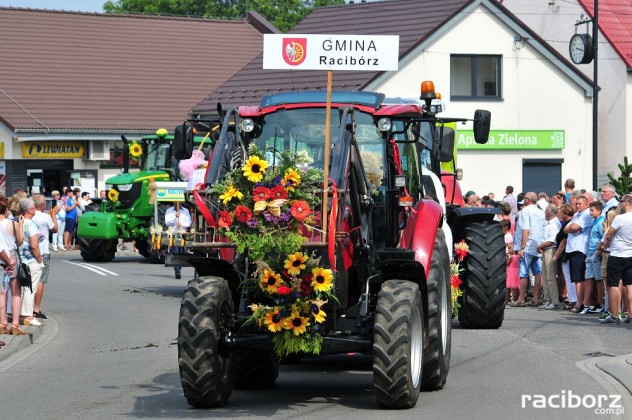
(124, 187)
(247, 125)
(384, 124)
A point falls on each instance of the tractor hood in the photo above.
(131, 177)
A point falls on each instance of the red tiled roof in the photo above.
(102, 72)
(412, 20)
(615, 23)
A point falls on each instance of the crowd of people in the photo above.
(570, 251)
(26, 226)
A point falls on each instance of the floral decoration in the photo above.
(113, 195)
(293, 291)
(135, 150)
(460, 252)
(264, 207)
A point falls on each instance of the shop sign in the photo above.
(331, 52)
(170, 191)
(514, 140)
(52, 149)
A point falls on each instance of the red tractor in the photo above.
(385, 241)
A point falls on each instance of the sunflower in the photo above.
(273, 320)
(300, 210)
(318, 314)
(291, 179)
(113, 195)
(270, 281)
(230, 193)
(254, 168)
(297, 323)
(135, 149)
(295, 263)
(243, 214)
(322, 280)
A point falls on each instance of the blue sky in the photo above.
(76, 5)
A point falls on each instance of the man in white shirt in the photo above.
(578, 230)
(527, 237)
(608, 197)
(619, 268)
(547, 248)
(47, 223)
(178, 218)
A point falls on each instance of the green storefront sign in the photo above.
(514, 140)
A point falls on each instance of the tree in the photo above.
(284, 14)
(622, 184)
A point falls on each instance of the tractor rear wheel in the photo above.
(437, 354)
(483, 300)
(255, 369)
(97, 250)
(398, 344)
(206, 370)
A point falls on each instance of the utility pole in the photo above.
(595, 109)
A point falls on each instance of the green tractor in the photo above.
(128, 211)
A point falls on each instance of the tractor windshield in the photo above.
(158, 157)
(302, 130)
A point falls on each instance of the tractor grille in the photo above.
(127, 198)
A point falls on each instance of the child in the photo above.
(513, 281)
(593, 261)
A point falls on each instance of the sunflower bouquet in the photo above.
(294, 290)
(265, 207)
(135, 151)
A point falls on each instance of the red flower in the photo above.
(300, 210)
(305, 284)
(455, 281)
(243, 214)
(278, 192)
(284, 291)
(261, 194)
(225, 219)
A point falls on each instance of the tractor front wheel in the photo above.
(483, 300)
(206, 369)
(398, 344)
(97, 250)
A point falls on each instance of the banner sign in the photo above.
(514, 140)
(331, 52)
(170, 191)
(53, 149)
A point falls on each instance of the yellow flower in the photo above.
(270, 281)
(113, 195)
(291, 179)
(135, 149)
(295, 263)
(322, 279)
(231, 193)
(318, 314)
(254, 168)
(273, 320)
(297, 323)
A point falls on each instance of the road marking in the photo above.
(99, 270)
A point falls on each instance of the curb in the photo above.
(613, 373)
(19, 347)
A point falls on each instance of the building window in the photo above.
(475, 77)
(116, 157)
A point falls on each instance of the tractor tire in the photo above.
(485, 272)
(154, 255)
(255, 369)
(97, 250)
(206, 371)
(398, 344)
(437, 353)
(143, 247)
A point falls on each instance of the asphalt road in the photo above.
(108, 351)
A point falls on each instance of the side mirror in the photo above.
(444, 151)
(183, 142)
(482, 122)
